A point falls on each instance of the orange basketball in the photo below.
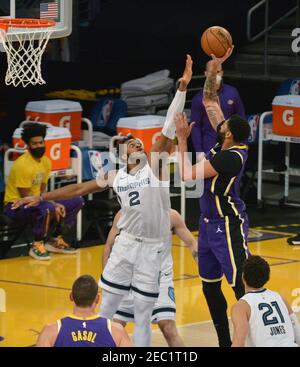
(216, 40)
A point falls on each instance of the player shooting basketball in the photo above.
(135, 262)
(222, 242)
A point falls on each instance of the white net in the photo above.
(24, 52)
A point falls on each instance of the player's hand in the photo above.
(217, 61)
(183, 129)
(27, 202)
(187, 74)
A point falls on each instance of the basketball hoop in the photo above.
(24, 41)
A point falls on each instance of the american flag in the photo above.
(49, 10)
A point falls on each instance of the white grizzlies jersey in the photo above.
(270, 324)
(145, 203)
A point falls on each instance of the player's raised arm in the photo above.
(187, 171)
(177, 105)
(210, 95)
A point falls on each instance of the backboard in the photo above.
(59, 11)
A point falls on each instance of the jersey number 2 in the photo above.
(134, 198)
(270, 310)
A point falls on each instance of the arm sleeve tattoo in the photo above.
(211, 101)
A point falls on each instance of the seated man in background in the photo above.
(203, 135)
(29, 176)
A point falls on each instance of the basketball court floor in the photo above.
(38, 292)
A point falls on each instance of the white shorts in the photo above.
(164, 308)
(135, 264)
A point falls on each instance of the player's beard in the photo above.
(220, 136)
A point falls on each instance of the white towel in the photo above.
(151, 100)
(150, 84)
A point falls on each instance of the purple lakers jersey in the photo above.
(80, 332)
(221, 195)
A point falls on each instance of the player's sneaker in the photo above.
(294, 240)
(38, 251)
(59, 246)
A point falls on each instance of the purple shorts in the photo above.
(222, 248)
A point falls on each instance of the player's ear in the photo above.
(71, 297)
(228, 134)
(98, 297)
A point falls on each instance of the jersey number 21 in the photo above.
(267, 315)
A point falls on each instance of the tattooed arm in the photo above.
(210, 95)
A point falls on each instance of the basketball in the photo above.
(216, 40)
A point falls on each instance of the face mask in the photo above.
(218, 79)
(38, 152)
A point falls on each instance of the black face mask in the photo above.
(38, 152)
